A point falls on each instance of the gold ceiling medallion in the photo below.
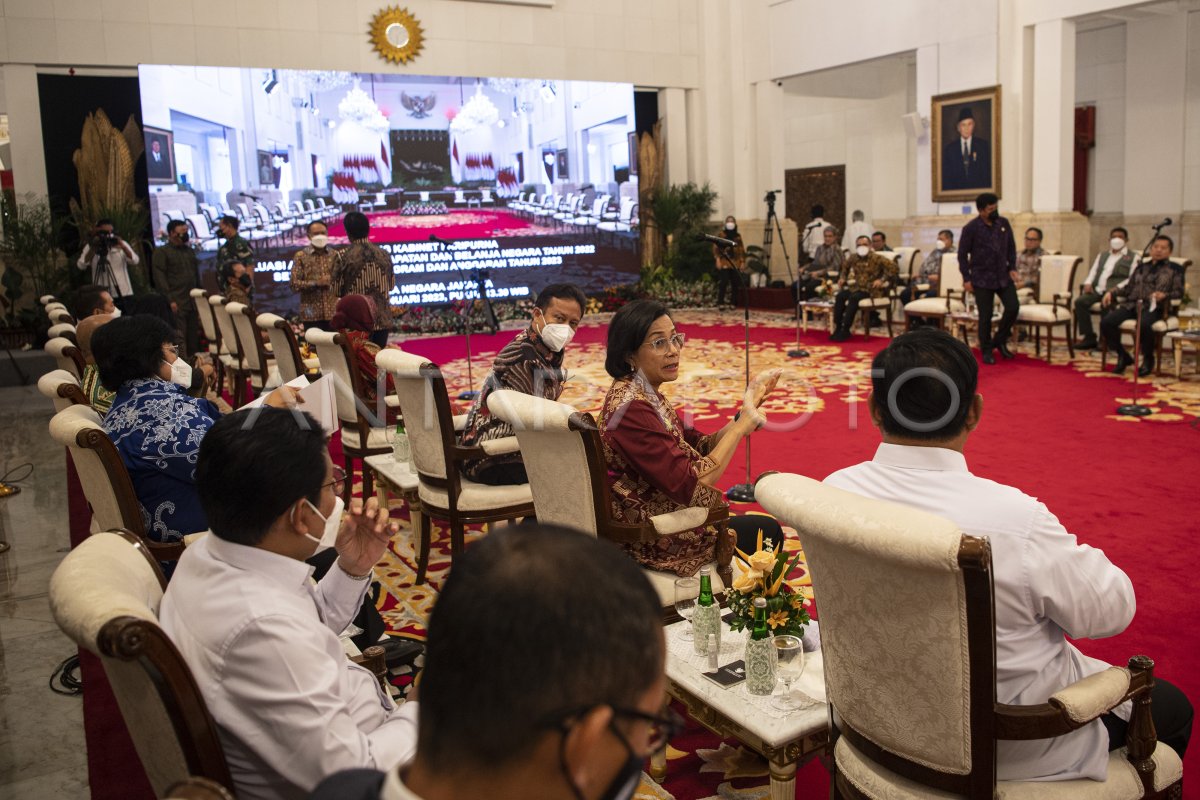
(396, 35)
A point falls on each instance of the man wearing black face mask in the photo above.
(566, 705)
(175, 275)
(987, 258)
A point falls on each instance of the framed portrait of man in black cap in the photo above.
(965, 144)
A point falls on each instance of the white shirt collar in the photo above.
(936, 459)
(285, 570)
(394, 789)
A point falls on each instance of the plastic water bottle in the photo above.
(401, 450)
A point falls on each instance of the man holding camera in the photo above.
(109, 257)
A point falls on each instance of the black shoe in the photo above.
(400, 652)
(1123, 362)
(988, 358)
(1146, 368)
(839, 336)
(1004, 351)
(1087, 343)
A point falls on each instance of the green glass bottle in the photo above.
(760, 653)
(706, 619)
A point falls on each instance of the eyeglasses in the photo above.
(174, 348)
(659, 345)
(338, 484)
(1032, 239)
(663, 727)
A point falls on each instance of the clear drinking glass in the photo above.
(686, 592)
(789, 665)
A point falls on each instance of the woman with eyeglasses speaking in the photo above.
(655, 464)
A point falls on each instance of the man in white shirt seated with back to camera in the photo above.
(260, 637)
(1047, 585)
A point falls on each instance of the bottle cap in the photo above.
(705, 570)
(760, 602)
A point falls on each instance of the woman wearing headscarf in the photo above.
(354, 318)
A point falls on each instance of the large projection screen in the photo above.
(529, 180)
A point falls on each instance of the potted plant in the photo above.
(33, 266)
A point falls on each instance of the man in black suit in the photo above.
(966, 161)
(158, 165)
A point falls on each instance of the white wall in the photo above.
(863, 132)
(1100, 81)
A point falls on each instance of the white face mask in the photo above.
(333, 523)
(1116, 243)
(181, 372)
(730, 226)
(116, 312)
(319, 241)
(557, 336)
(938, 244)
(862, 250)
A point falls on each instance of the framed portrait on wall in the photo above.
(563, 166)
(266, 168)
(965, 144)
(633, 153)
(160, 155)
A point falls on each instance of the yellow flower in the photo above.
(797, 601)
(745, 582)
(762, 561)
(777, 618)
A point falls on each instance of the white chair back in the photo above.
(283, 345)
(56, 385)
(208, 322)
(225, 325)
(60, 315)
(867, 558)
(555, 457)
(905, 258)
(333, 361)
(1057, 276)
(103, 476)
(64, 329)
(66, 355)
(951, 279)
(249, 342)
(416, 380)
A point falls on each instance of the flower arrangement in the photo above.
(826, 290)
(764, 576)
(414, 208)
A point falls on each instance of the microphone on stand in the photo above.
(717, 240)
(256, 197)
(439, 240)
(1166, 221)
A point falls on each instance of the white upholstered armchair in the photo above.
(913, 695)
(105, 596)
(565, 463)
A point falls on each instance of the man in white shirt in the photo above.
(1110, 269)
(858, 227)
(260, 637)
(813, 234)
(1047, 585)
(111, 272)
(544, 677)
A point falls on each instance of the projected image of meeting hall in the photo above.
(533, 180)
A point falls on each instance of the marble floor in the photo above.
(41, 733)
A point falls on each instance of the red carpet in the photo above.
(392, 226)
(1048, 430)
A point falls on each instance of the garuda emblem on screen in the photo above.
(418, 107)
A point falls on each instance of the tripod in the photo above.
(770, 228)
(743, 492)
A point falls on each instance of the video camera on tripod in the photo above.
(102, 242)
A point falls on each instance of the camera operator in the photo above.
(108, 257)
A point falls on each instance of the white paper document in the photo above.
(318, 400)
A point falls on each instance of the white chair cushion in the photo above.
(1123, 782)
(312, 363)
(875, 302)
(1162, 326)
(478, 496)
(932, 306)
(1042, 312)
(1025, 296)
(376, 439)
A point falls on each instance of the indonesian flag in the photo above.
(454, 150)
(383, 154)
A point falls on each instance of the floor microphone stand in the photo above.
(1133, 409)
(465, 317)
(742, 492)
